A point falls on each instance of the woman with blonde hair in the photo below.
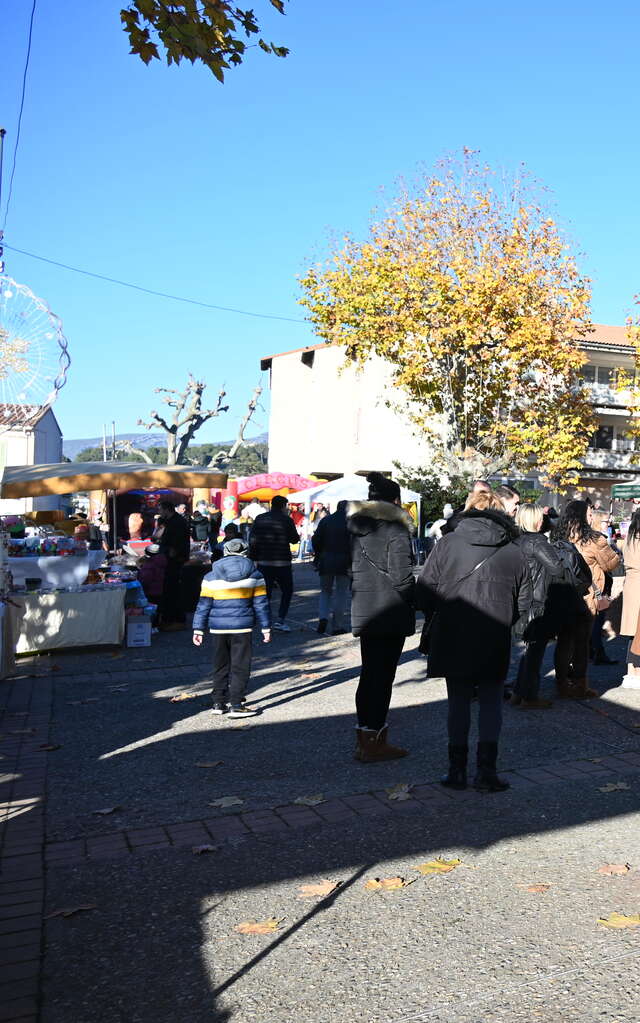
(540, 623)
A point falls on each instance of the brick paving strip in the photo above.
(25, 711)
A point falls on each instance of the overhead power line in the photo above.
(24, 89)
(151, 291)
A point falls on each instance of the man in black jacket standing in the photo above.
(332, 548)
(382, 612)
(270, 547)
(175, 545)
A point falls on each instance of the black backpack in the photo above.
(577, 573)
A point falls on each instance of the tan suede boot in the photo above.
(373, 746)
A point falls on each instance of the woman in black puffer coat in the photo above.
(382, 610)
(473, 589)
(541, 622)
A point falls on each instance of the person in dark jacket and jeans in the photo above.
(382, 612)
(474, 588)
(232, 597)
(270, 547)
(540, 623)
(332, 549)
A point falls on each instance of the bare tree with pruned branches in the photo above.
(186, 418)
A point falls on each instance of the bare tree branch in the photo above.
(127, 446)
(224, 457)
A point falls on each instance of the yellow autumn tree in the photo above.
(466, 287)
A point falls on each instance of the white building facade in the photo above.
(329, 417)
(38, 443)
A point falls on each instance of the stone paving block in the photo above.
(25, 988)
(188, 834)
(18, 971)
(631, 756)
(111, 845)
(538, 774)
(18, 953)
(17, 1009)
(58, 852)
(565, 771)
(614, 763)
(220, 827)
(586, 767)
(146, 836)
(21, 868)
(20, 909)
(23, 923)
(303, 820)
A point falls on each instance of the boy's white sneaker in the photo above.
(244, 712)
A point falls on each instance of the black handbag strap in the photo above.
(475, 568)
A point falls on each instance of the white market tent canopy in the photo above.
(69, 477)
(347, 488)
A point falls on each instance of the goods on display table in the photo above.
(50, 562)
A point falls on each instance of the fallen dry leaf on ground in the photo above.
(71, 910)
(385, 884)
(614, 786)
(438, 866)
(209, 763)
(258, 926)
(118, 689)
(399, 792)
(614, 868)
(106, 810)
(116, 655)
(227, 801)
(537, 889)
(310, 800)
(50, 747)
(619, 920)
(22, 731)
(183, 696)
(322, 888)
(198, 850)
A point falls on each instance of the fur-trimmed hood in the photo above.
(366, 516)
(488, 528)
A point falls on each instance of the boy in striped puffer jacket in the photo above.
(232, 597)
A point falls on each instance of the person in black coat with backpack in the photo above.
(544, 617)
(473, 589)
(382, 611)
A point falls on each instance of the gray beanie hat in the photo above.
(235, 546)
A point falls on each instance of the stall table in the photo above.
(53, 621)
(55, 570)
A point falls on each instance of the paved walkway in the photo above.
(128, 799)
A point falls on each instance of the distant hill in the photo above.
(71, 448)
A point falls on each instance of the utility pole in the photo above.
(104, 442)
(2, 135)
(113, 440)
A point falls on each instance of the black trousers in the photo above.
(490, 698)
(380, 656)
(231, 667)
(172, 604)
(282, 577)
(572, 650)
(528, 682)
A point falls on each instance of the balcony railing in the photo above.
(605, 394)
(603, 458)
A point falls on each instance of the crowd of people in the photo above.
(499, 570)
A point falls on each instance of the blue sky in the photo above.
(165, 178)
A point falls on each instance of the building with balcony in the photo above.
(329, 419)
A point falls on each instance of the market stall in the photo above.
(348, 488)
(60, 609)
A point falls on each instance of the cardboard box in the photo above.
(138, 630)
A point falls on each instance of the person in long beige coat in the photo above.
(631, 590)
(575, 526)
